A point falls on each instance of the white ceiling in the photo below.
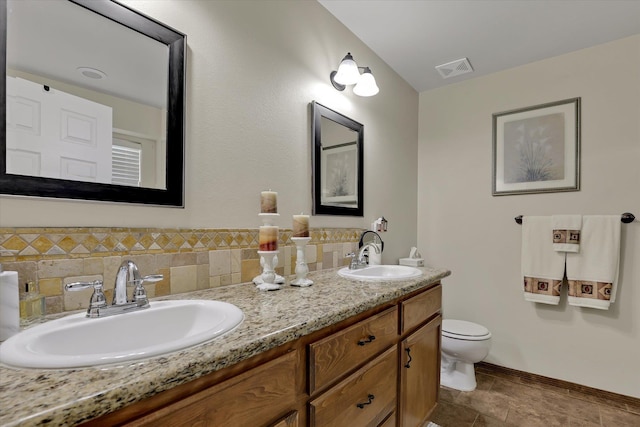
(53, 38)
(414, 36)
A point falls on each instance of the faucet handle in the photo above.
(140, 293)
(98, 299)
(354, 260)
(78, 286)
(152, 278)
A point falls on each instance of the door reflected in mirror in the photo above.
(94, 102)
(337, 163)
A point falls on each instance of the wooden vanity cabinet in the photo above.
(380, 368)
(257, 397)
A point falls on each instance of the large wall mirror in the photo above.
(93, 95)
(337, 163)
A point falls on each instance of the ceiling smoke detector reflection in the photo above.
(92, 73)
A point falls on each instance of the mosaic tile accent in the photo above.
(189, 259)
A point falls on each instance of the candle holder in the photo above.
(268, 276)
(301, 266)
(267, 219)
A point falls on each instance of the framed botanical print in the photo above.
(537, 149)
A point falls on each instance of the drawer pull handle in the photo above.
(408, 364)
(362, 405)
(367, 341)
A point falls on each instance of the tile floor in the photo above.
(503, 399)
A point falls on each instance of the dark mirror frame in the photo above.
(318, 111)
(173, 195)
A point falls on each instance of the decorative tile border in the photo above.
(42, 243)
(189, 259)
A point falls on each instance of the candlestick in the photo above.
(269, 202)
(268, 274)
(268, 219)
(268, 238)
(301, 266)
(301, 225)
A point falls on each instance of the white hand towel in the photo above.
(542, 267)
(593, 273)
(566, 232)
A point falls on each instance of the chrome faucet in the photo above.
(359, 260)
(361, 256)
(128, 275)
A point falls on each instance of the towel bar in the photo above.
(626, 218)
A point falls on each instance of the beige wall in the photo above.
(253, 68)
(462, 227)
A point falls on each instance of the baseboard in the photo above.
(490, 368)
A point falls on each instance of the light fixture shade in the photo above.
(348, 73)
(366, 85)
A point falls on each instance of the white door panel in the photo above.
(23, 162)
(78, 170)
(59, 126)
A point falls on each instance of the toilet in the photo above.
(463, 344)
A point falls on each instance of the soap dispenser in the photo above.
(32, 303)
(9, 309)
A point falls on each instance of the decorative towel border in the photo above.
(536, 285)
(566, 236)
(588, 289)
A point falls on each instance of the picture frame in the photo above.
(537, 149)
(339, 175)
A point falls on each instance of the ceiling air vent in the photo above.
(455, 68)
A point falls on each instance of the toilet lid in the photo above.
(463, 328)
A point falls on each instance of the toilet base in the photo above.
(459, 376)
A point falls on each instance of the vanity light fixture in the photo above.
(349, 73)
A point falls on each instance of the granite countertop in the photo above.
(72, 396)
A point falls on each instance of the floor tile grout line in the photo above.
(475, 419)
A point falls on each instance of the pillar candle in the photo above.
(269, 202)
(301, 225)
(268, 238)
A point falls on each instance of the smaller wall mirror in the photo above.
(337, 157)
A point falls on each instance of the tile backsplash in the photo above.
(189, 259)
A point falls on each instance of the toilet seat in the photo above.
(463, 330)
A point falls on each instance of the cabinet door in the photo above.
(254, 398)
(420, 374)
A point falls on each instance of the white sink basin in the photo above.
(381, 273)
(77, 341)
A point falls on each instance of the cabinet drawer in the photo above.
(269, 391)
(390, 421)
(365, 398)
(343, 351)
(420, 308)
